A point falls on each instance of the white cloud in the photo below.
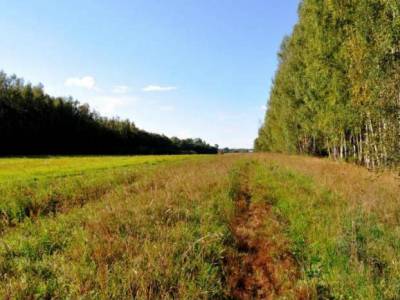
(158, 88)
(87, 82)
(120, 89)
(264, 107)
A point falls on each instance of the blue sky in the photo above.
(186, 68)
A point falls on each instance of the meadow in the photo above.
(237, 226)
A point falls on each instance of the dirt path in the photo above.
(261, 265)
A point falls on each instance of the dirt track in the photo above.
(261, 266)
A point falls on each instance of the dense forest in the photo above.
(337, 89)
(34, 123)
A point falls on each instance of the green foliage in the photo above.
(34, 123)
(336, 91)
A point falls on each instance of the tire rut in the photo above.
(260, 266)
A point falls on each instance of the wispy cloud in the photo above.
(158, 88)
(263, 107)
(87, 82)
(121, 89)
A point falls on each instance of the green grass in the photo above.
(31, 187)
(30, 169)
(169, 228)
(160, 227)
(344, 252)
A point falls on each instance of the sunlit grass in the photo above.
(161, 236)
(13, 169)
(32, 187)
(159, 227)
(346, 249)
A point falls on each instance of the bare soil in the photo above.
(261, 265)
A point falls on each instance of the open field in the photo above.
(197, 227)
(12, 169)
(42, 186)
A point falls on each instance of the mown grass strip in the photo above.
(30, 169)
(50, 195)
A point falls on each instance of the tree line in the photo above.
(34, 123)
(337, 88)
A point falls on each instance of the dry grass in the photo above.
(35, 187)
(375, 192)
(343, 222)
(159, 237)
(312, 229)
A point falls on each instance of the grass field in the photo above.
(43, 186)
(197, 227)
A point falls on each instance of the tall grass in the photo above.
(162, 228)
(346, 252)
(161, 236)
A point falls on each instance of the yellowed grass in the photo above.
(164, 234)
(160, 237)
(377, 192)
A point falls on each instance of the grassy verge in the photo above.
(344, 251)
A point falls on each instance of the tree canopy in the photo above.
(34, 123)
(337, 88)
